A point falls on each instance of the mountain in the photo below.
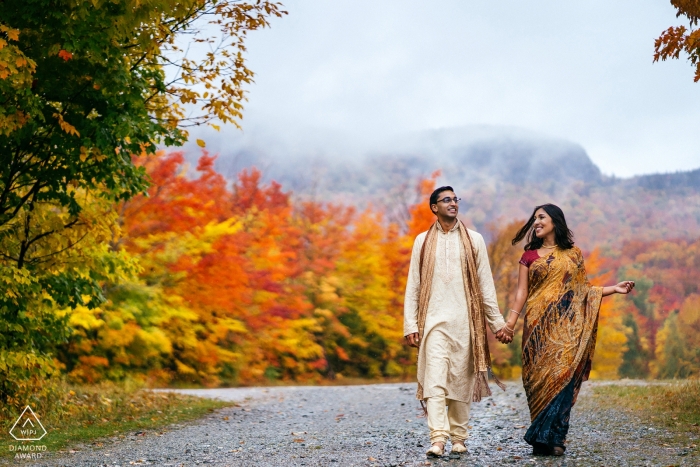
(471, 154)
(500, 172)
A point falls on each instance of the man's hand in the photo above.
(504, 337)
(413, 340)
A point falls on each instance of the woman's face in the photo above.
(543, 224)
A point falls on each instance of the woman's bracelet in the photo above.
(516, 312)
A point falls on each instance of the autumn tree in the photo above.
(611, 342)
(146, 327)
(678, 349)
(420, 216)
(84, 85)
(678, 39)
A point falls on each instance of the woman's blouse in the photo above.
(529, 257)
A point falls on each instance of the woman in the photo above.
(561, 321)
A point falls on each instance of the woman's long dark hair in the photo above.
(563, 237)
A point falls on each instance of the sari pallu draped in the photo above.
(559, 337)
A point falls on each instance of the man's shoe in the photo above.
(436, 451)
(557, 451)
(459, 448)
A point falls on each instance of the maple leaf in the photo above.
(65, 126)
(65, 55)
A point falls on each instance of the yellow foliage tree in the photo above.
(678, 342)
(612, 340)
(611, 343)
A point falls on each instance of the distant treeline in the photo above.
(672, 181)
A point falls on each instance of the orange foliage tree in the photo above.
(677, 39)
(240, 285)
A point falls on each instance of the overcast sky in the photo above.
(581, 71)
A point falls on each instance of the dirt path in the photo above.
(375, 425)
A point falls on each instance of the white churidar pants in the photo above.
(447, 418)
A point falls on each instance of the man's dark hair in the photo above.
(436, 193)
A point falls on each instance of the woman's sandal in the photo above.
(544, 450)
(541, 450)
(436, 451)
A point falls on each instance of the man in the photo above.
(450, 295)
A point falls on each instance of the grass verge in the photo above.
(87, 413)
(674, 405)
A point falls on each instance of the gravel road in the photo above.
(373, 425)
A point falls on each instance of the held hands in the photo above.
(506, 333)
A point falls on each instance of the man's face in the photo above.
(447, 209)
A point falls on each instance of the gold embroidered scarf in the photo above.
(477, 323)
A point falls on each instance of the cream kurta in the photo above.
(445, 365)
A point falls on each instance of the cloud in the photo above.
(349, 73)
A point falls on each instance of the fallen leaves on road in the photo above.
(298, 440)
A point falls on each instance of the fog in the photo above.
(340, 80)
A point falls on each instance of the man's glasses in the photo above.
(449, 200)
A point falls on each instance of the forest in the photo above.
(239, 284)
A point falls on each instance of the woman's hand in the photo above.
(413, 340)
(503, 336)
(624, 287)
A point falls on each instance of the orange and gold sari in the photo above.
(559, 336)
